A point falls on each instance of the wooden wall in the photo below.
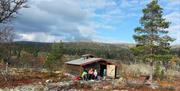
(74, 69)
(77, 69)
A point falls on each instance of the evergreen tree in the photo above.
(153, 42)
(54, 58)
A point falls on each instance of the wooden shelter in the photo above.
(88, 61)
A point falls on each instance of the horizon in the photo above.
(102, 21)
(88, 42)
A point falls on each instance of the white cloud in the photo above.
(70, 19)
(55, 18)
(86, 31)
(174, 17)
(109, 40)
(176, 35)
(40, 37)
(174, 29)
(80, 20)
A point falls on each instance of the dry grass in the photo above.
(17, 77)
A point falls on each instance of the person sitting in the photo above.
(75, 78)
(84, 75)
(95, 74)
(90, 73)
(104, 74)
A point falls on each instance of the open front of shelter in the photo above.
(88, 61)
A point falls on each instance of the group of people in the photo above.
(91, 74)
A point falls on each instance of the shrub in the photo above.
(79, 85)
(162, 74)
(158, 72)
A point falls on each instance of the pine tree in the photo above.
(54, 58)
(153, 42)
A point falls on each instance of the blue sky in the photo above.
(109, 21)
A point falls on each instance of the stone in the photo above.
(120, 80)
(154, 86)
(107, 87)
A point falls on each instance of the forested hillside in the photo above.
(109, 51)
(30, 54)
(176, 50)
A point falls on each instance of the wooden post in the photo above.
(81, 69)
(6, 67)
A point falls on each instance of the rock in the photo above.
(123, 90)
(107, 87)
(46, 89)
(98, 88)
(40, 83)
(57, 72)
(167, 88)
(154, 85)
(120, 80)
(48, 81)
(170, 88)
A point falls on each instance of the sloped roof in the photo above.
(87, 55)
(83, 61)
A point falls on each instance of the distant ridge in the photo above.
(129, 45)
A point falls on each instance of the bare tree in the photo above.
(6, 38)
(9, 9)
(6, 34)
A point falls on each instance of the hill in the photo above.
(105, 50)
(112, 51)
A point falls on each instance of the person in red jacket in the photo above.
(75, 78)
